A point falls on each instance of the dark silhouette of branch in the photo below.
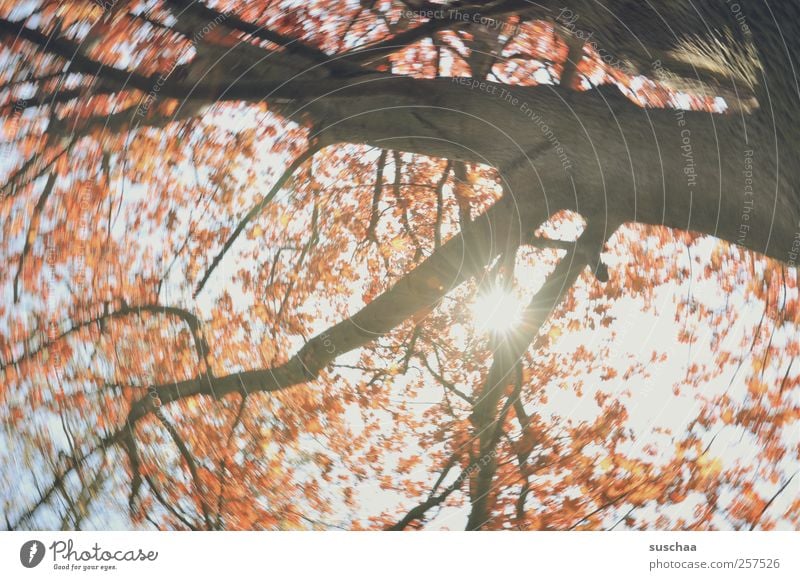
(508, 354)
(437, 227)
(781, 489)
(190, 319)
(33, 231)
(255, 211)
(376, 197)
(190, 463)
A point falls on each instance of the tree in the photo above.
(243, 242)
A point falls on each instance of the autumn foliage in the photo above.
(200, 292)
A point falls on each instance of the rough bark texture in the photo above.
(623, 163)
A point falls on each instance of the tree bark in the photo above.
(596, 153)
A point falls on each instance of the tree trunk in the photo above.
(596, 153)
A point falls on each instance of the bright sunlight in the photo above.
(497, 310)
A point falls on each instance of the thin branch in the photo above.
(444, 382)
(14, 182)
(190, 319)
(605, 506)
(376, 197)
(372, 52)
(190, 463)
(437, 228)
(167, 505)
(70, 51)
(223, 466)
(403, 205)
(33, 231)
(512, 349)
(255, 211)
(418, 512)
(73, 463)
(771, 500)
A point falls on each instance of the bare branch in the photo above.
(33, 231)
(376, 197)
(255, 211)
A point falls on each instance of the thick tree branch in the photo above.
(459, 259)
(418, 512)
(595, 152)
(70, 52)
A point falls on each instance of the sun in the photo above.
(497, 310)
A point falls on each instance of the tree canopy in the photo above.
(399, 265)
